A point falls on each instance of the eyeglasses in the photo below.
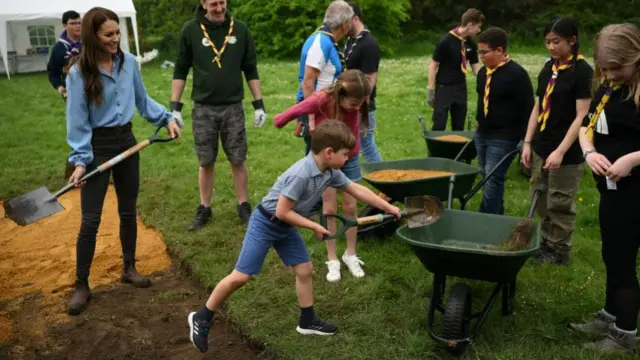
(484, 52)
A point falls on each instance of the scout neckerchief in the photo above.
(351, 43)
(324, 29)
(218, 56)
(593, 121)
(546, 100)
(73, 47)
(487, 86)
(463, 48)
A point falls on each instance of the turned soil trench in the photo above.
(37, 271)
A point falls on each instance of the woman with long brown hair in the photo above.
(104, 87)
(610, 140)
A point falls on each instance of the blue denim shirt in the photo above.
(122, 92)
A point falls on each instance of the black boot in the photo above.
(80, 298)
(131, 276)
(203, 215)
(244, 211)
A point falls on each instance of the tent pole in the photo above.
(134, 22)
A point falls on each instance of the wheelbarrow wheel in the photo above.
(457, 317)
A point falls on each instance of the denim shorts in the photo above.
(264, 233)
(351, 169)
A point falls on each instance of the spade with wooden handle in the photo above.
(419, 211)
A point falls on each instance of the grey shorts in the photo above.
(224, 122)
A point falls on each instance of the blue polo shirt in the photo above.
(304, 183)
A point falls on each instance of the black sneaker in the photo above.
(244, 211)
(199, 332)
(203, 214)
(317, 327)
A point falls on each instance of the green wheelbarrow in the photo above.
(446, 148)
(469, 245)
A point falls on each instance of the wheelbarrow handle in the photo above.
(112, 162)
(423, 125)
(534, 203)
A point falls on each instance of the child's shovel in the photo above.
(419, 211)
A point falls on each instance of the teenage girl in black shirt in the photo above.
(610, 139)
(551, 148)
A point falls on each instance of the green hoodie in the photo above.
(213, 85)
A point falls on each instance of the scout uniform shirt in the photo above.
(571, 84)
(510, 102)
(363, 53)
(217, 79)
(448, 53)
(617, 131)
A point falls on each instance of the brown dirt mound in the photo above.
(453, 138)
(42, 256)
(37, 271)
(391, 175)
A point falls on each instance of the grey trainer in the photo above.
(616, 342)
(598, 327)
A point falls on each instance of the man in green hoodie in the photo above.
(220, 49)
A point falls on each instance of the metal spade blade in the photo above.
(32, 206)
(422, 210)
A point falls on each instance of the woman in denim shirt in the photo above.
(104, 87)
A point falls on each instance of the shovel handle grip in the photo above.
(368, 220)
(125, 154)
(376, 219)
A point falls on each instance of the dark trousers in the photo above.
(126, 178)
(620, 234)
(450, 99)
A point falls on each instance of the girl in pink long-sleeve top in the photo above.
(346, 101)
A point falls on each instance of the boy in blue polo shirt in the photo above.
(294, 197)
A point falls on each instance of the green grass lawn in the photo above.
(382, 316)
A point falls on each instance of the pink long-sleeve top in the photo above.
(320, 104)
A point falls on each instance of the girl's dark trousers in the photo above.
(620, 232)
(107, 143)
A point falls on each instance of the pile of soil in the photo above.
(453, 138)
(42, 256)
(391, 175)
(37, 269)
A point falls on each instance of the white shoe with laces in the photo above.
(353, 263)
(334, 270)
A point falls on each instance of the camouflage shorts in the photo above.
(224, 122)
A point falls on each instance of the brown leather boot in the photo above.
(131, 276)
(80, 298)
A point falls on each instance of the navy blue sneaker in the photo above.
(317, 327)
(199, 333)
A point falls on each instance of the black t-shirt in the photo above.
(572, 84)
(448, 54)
(618, 131)
(365, 56)
(511, 100)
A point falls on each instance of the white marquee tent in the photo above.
(29, 28)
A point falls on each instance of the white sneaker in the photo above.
(334, 270)
(353, 263)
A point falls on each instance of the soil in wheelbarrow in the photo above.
(391, 175)
(519, 239)
(37, 269)
(453, 138)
